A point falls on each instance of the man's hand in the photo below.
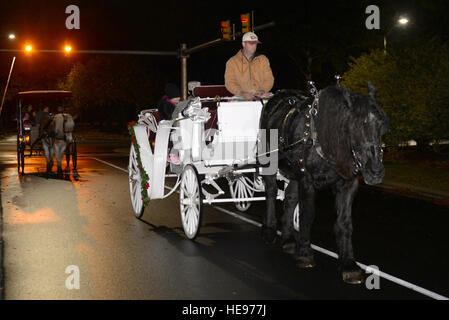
(259, 93)
(247, 95)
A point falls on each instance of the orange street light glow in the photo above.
(28, 48)
(68, 48)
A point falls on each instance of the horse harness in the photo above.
(310, 136)
(52, 135)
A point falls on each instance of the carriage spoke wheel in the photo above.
(240, 190)
(135, 186)
(19, 157)
(190, 201)
(71, 151)
(296, 218)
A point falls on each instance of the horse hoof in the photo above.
(268, 235)
(353, 277)
(289, 247)
(305, 262)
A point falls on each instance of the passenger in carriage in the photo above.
(168, 102)
(248, 74)
(41, 114)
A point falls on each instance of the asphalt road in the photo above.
(50, 224)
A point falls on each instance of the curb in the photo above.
(411, 192)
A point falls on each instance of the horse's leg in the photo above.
(304, 252)
(269, 219)
(60, 148)
(290, 202)
(344, 197)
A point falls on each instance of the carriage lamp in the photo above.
(20, 138)
(27, 139)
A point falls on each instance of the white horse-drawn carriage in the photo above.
(212, 138)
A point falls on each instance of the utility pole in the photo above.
(183, 55)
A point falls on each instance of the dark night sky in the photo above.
(163, 25)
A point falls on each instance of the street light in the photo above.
(68, 49)
(28, 48)
(402, 21)
(12, 36)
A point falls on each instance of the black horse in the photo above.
(324, 141)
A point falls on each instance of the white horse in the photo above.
(56, 134)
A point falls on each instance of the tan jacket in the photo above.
(242, 75)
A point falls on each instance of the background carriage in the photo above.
(28, 142)
(215, 138)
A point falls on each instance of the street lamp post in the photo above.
(401, 22)
(11, 36)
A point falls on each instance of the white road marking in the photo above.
(332, 254)
(110, 164)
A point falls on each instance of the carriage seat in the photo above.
(212, 91)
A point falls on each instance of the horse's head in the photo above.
(368, 124)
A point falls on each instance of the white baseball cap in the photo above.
(251, 37)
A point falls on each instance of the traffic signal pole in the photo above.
(183, 55)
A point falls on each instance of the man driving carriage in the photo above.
(248, 74)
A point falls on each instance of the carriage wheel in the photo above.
(74, 154)
(190, 201)
(19, 157)
(135, 186)
(296, 218)
(239, 190)
(67, 155)
(22, 157)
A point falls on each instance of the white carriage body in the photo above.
(234, 143)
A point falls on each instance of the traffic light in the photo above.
(226, 30)
(246, 22)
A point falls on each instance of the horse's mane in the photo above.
(333, 124)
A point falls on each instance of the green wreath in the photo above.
(145, 182)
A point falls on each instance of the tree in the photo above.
(412, 85)
(112, 89)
